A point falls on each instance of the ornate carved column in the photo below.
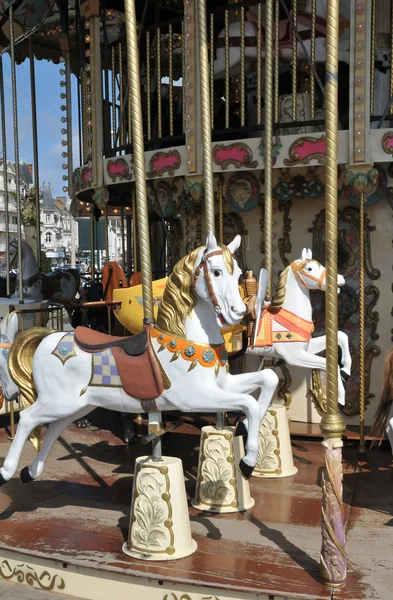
(359, 132)
(333, 558)
(90, 9)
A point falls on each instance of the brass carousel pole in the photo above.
(362, 447)
(35, 152)
(268, 141)
(16, 149)
(5, 177)
(206, 132)
(333, 557)
(139, 206)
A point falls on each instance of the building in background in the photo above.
(56, 228)
(25, 182)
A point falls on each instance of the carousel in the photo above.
(244, 150)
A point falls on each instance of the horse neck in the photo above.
(29, 263)
(201, 326)
(297, 298)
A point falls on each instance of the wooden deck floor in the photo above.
(78, 513)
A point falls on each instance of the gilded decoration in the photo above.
(277, 145)
(216, 485)
(237, 154)
(23, 573)
(306, 149)
(162, 163)
(119, 169)
(152, 527)
(348, 302)
(373, 184)
(387, 142)
(269, 459)
(290, 188)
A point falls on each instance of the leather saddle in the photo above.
(136, 364)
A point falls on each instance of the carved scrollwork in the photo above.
(25, 574)
(269, 458)
(372, 316)
(284, 242)
(284, 384)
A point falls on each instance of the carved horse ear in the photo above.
(234, 244)
(211, 242)
(304, 254)
(309, 254)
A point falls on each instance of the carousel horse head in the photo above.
(209, 274)
(311, 274)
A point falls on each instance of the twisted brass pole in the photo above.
(312, 58)
(269, 143)
(139, 157)
(372, 63)
(333, 558)
(259, 64)
(294, 62)
(16, 152)
(361, 325)
(5, 175)
(35, 153)
(206, 117)
(220, 210)
(227, 73)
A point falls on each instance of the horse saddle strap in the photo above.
(138, 369)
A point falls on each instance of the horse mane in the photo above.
(281, 290)
(178, 299)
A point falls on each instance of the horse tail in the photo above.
(20, 365)
(386, 403)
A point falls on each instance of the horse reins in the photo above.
(204, 265)
(299, 270)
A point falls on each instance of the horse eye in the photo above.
(217, 273)
(309, 269)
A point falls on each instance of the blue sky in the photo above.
(48, 116)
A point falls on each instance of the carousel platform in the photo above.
(64, 532)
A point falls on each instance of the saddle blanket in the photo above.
(295, 329)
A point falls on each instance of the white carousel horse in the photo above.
(186, 344)
(38, 285)
(286, 324)
(10, 390)
(285, 43)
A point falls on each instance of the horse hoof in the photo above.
(245, 469)
(2, 480)
(344, 377)
(25, 475)
(241, 429)
(83, 423)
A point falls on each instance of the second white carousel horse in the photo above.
(38, 285)
(10, 390)
(178, 363)
(286, 325)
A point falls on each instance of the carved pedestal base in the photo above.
(275, 452)
(220, 485)
(159, 521)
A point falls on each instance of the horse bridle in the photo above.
(204, 265)
(299, 270)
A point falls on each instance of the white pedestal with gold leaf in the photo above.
(159, 521)
(275, 451)
(220, 485)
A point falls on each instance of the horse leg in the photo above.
(245, 383)
(55, 429)
(304, 359)
(318, 344)
(28, 420)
